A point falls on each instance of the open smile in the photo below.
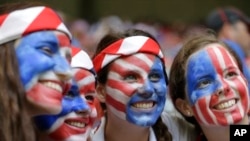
(78, 123)
(54, 85)
(144, 105)
(226, 104)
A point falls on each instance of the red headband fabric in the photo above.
(80, 59)
(125, 47)
(21, 22)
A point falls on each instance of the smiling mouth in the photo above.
(225, 105)
(76, 124)
(53, 85)
(143, 105)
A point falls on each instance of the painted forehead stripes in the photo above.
(220, 58)
(124, 47)
(144, 63)
(29, 20)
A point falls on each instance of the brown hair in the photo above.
(14, 120)
(160, 129)
(177, 77)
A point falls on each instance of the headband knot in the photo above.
(21, 22)
(125, 47)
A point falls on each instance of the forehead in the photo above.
(218, 55)
(52, 37)
(141, 60)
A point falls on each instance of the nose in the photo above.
(81, 107)
(146, 90)
(223, 88)
(62, 68)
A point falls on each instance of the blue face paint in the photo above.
(72, 102)
(201, 76)
(154, 90)
(39, 52)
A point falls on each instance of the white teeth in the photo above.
(53, 86)
(77, 124)
(143, 105)
(225, 105)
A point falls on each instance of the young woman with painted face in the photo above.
(207, 86)
(132, 83)
(33, 67)
(81, 109)
(41, 51)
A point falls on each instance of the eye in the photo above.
(47, 50)
(154, 77)
(231, 74)
(89, 98)
(204, 83)
(130, 78)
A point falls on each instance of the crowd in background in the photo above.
(157, 80)
(170, 36)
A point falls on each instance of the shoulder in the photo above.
(180, 129)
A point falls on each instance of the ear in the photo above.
(101, 93)
(184, 107)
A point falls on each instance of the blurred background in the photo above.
(170, 21)
(160, 10)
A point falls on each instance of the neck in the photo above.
(119, 129)
(214, 133)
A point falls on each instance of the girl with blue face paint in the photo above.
(43, 54)
(208, 87)
(132, 83)
(34, 66)
(81, 110)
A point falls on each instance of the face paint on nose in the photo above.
(139, 72)
(38, 55)
(76, 120)
(216, 88)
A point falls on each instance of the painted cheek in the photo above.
(202, 111)
(124, 87)
(198, 65)
(98, 108)
(63, 40)
(243, 92)
(160, 89)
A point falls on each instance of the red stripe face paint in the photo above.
(216, 88)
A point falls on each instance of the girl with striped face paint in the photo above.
(133, 84)
(43, 54)
(81, 109)
(210, 87)
(34, 66)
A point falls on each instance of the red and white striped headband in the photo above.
(80, 59)
(125, 47)
(22, 22)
